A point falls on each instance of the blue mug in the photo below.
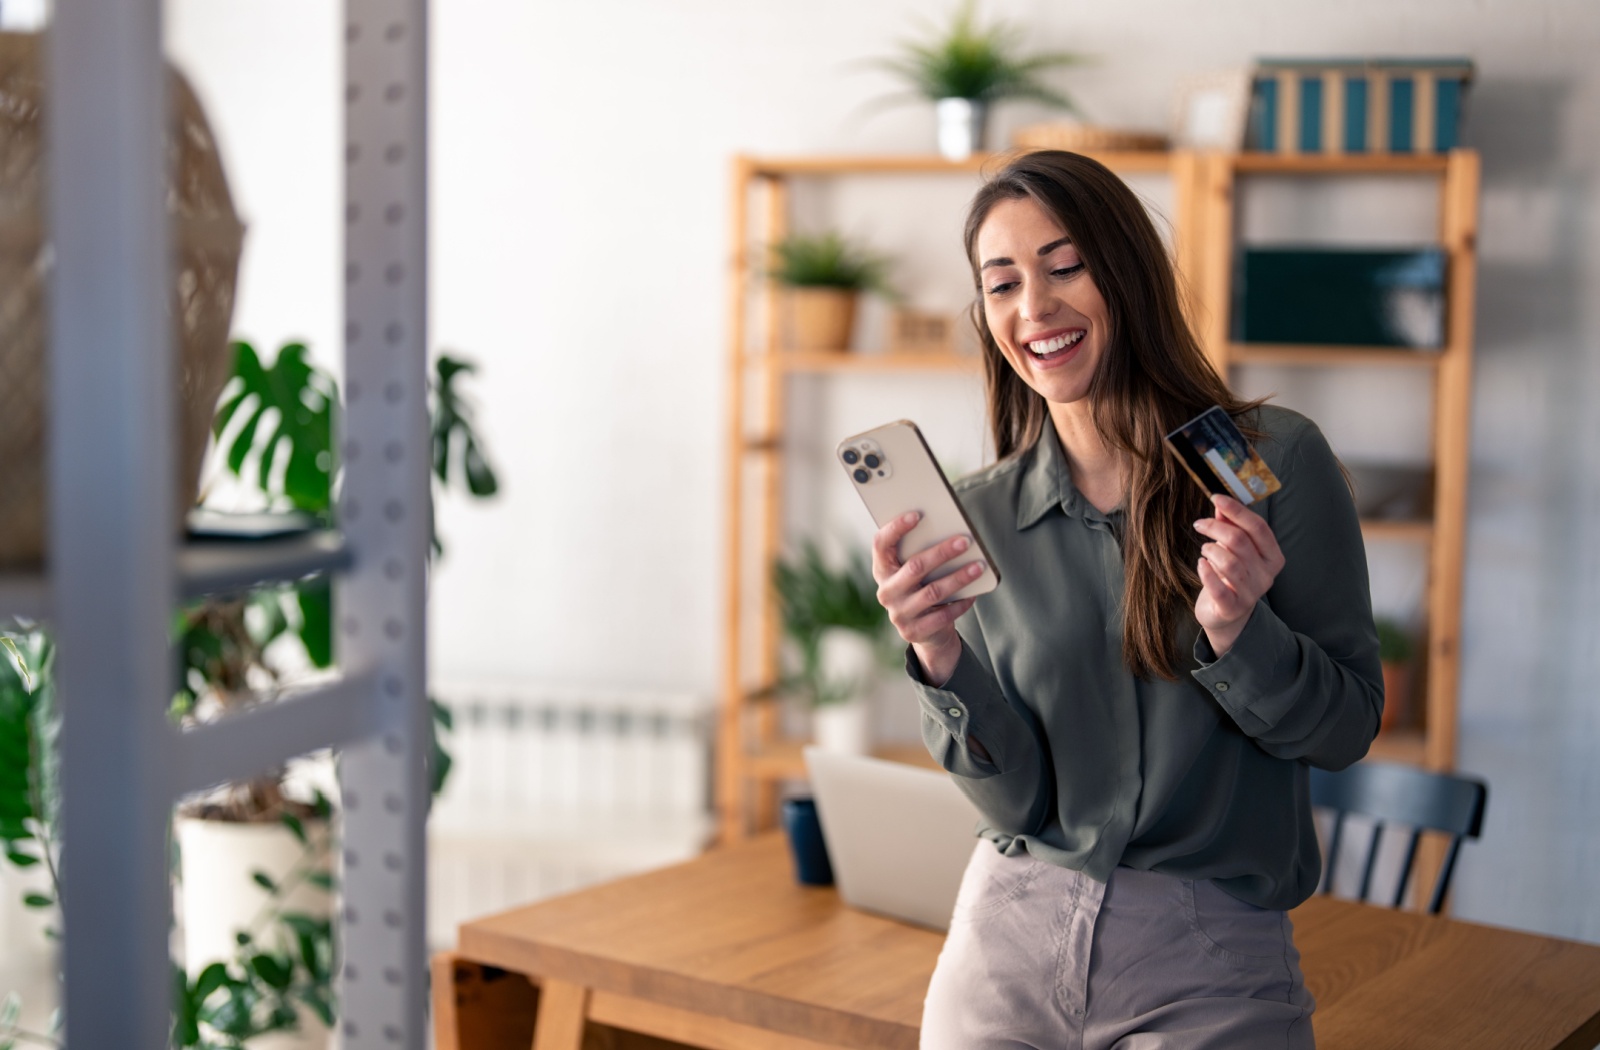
(811, 864)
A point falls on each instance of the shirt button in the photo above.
(1222, 687)
(955, 712)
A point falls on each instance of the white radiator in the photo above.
(555, 789)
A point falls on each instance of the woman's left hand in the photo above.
(1236, 568)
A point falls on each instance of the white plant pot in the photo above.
(962, 122)
(219, 898)
(848, 662)
(842, 728)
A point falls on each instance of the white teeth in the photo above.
(1060, 342)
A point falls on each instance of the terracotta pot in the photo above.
(1396, 695)
(820, 318)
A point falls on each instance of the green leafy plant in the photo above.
(1395, 645)
(278, 422)
(813, 597)
(282, 958)
(29, 789)
(828, 260)
(967, 60)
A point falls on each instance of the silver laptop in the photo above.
(898, 837)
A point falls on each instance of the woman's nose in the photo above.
(1038, 302)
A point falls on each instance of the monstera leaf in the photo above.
(452, 426)
(294, 402)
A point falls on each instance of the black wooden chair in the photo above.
(1396, 794)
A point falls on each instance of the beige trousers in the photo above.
(1045, 958)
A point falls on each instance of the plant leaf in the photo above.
(275, 972)
(38, 900)
(264, 880)
(320, 1004)
(296, 828)
(315, 598)
(296, 402)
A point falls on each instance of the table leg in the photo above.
(477, 1007)
(562, 1009)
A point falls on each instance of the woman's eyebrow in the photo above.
(1046, 250)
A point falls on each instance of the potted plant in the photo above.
(966, 68)
(1395, 651)
(252, 838)
(838, 631)
(256, 858)
(824, 275)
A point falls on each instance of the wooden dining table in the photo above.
(729, 952)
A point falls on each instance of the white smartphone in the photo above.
(894, 472)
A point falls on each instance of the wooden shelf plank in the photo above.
(1311, 354)
(916, 163)
(1343, 164)
(1400, 745)
(846, 361)
(1385, 529)
(783, 760)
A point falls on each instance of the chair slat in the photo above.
(1442, 885)
(1405, 869)
(1372, 859)
(1332, 860)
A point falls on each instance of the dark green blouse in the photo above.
(1204, 777)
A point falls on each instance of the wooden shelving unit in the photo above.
(1433, 743)
(752, 757)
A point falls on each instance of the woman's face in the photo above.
(1043, 308)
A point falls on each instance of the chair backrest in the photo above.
(1396, 794)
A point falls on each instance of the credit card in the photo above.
(1220, 460)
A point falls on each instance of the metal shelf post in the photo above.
(116, 573)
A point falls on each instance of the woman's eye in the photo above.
(1066, 271)
(1002, 288)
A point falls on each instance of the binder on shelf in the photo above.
(1357, 105)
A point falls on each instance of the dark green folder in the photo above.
(1340, 297)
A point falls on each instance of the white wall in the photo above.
(580, 206)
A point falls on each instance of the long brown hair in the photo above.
(1152, 378)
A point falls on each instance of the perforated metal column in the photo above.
(385, 515)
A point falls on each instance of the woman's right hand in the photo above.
(913, 605)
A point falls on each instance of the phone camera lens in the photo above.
(851, 456)
(862, 476)
(872, 461)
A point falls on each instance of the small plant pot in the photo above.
(962, 124)
(1396, 695)
(820, 318)
(220, 897)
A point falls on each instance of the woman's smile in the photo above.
(1055, 348)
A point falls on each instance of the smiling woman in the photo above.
(1134, 710)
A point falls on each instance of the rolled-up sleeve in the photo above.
(1303, 678)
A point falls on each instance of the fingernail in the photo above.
(975, 569)
(961, 543)
(909, 518)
